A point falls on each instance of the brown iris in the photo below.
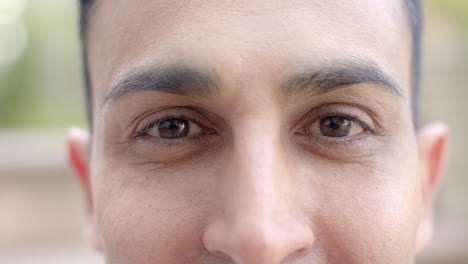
(173, 128)
(335, 126)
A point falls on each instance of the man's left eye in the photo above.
(174, 128)
(335, 126)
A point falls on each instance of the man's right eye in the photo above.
(173, 128)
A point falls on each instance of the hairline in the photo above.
(414, 17)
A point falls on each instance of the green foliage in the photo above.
(44, 87)
(456, 9)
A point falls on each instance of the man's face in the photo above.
(253, 132)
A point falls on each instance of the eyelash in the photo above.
(348, 116)
(305, 138)
(141, 134)
(337, 143)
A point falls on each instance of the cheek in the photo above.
(364, 213)
(147, 218)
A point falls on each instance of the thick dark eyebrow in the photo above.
(339, 75)
(176, 80)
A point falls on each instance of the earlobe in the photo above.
(433, 141)
(78, 155)
(432, 158)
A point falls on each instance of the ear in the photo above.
(432, 157)
(78, 154)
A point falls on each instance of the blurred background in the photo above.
(41, 95)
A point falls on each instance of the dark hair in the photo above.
(415, 17)
(85, 10)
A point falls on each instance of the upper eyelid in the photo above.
(341, 114)
(353, 118)
(144, 130)
(337, 114)
(178, 112)
(204, 121)
(359, 112)
(151, 124)
(338, 143)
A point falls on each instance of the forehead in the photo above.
(256, 37)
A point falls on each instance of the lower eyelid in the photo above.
(156, 143)
(182, 140)
(329, 143)
(195, 144)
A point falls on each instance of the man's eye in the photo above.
(335, 126)
(173, 129)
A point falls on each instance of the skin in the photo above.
(260, 183)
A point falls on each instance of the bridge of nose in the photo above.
(258, 219)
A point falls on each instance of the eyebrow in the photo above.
(176, 80)
(184, 80)
(339, 75)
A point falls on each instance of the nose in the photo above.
(258, 220)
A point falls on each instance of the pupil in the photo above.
(335, 127)
(173, 128)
